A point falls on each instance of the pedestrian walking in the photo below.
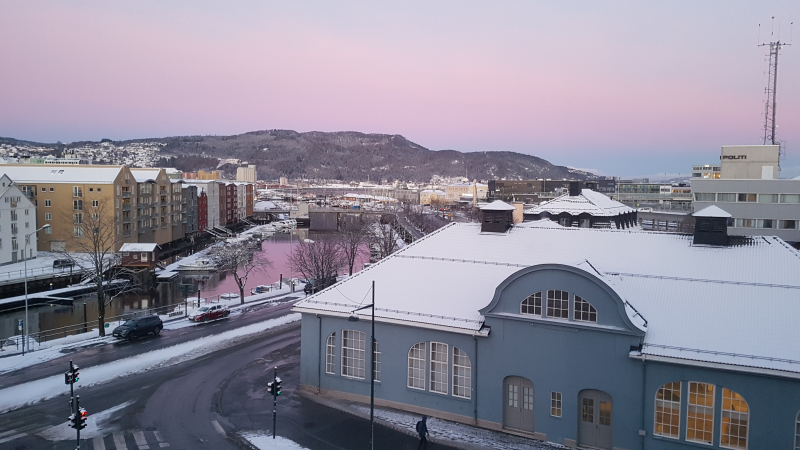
(422, 430)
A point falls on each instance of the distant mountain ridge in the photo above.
(348, 156)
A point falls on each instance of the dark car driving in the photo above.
(138, 327)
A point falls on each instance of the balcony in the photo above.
(126, 233)
(142, 230)
(126, 206)
(126, 220)
(126, 194)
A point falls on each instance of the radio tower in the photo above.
(772, 85)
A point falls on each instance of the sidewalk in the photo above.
(440, 431)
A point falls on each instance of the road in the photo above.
(201, 403)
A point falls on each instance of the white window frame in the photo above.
(439, 368)
(696, 407)
(47, 203)
(417, 366)
(670, 405)
(553, 308)
(48, 216)
(556, 403)
(797, 432)
(330, 354)
(462, 374)
(376, 362)
(730, 413)
(533, 303)
(352, 355)
(578, 313)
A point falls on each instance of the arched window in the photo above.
(668, 410)
(353, 346)
(735, 420)
(416, 366)
(700, 413)
(462, 373)
(330, 354)
(439, 369)
(532, 304)
(584, 311)
(797, 432)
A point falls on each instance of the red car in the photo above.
(207, 313)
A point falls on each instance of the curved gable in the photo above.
(609, 308)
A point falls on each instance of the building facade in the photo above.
(454, 192)
(17, 222)
(750, 162)
(247, 174)
(707, 171)
(582, 337)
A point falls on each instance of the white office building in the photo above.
(17, 222)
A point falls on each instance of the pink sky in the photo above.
(623, 87)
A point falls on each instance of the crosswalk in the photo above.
(130, 440)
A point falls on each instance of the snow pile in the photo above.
(264, 440)
(444, 431)
(50, 387)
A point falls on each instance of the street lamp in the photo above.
(354, 318)
(25, 266)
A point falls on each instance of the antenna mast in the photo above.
(771, 89)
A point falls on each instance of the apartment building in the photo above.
(454, 192)
(153, 207)
(246, 173)
(17, 223)
(208, 192)
(64, 194)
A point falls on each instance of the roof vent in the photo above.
(498, 217)
(711, 226)
(574, 188)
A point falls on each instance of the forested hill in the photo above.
(351, 156)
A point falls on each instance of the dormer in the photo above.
(711, 226)
(497, 217)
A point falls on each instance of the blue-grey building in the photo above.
(610, 339)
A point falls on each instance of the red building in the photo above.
(250, 201)
(202, 211)
(223, 207)
(139, 255)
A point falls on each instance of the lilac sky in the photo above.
(624, 88)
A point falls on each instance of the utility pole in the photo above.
(772, 88)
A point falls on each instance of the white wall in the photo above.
(25, 223)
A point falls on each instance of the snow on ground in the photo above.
(63, 432)
(445, 431)
(263, 440)
(50, 387)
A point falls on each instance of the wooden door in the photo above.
(595, 428)
(518, 401)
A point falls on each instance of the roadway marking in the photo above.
(161, 442)
(11, 438)
(6, 433)
(98, 444)
(218, 427)
(138, 436)
(119, 441)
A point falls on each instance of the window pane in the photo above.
(462, 374)
(788, 224)
(376, 365)
(790, 198)
(746, 197)
(584, 311)
(700, 413)
(555, 404)
(330, 354)
(605, 413)
(353, 345)
(558, 304)
(668, 409)
(532, 304)
(726, 197)
(416, 366)
(767, 198)
(438, 382)
(735, 420)
(513, 392)
(705, 197)
(587, 410)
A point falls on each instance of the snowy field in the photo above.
(262, 440)
(51, 387)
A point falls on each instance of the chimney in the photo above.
(574, 188)
(711, 226)
(497, 217)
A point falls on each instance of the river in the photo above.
(210, 285)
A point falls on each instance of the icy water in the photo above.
(274, 254)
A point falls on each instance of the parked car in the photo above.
(207, 313)
(314, 286)
(138, 327)
(62, 263)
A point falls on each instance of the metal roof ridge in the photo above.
(715, 352)
(472, 261)
(702, 280)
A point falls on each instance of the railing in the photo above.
(665, 225)
(17, 274)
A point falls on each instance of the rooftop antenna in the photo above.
(775, 46)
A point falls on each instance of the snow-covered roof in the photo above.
(40, 173)
(712, 211)
(145, 175)
(589, 201)
(698, 300)
(498, 205)
(138, 247)
(467, 184)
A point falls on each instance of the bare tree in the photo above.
(383, 237)
(351, 239)
(238, 258)
(317, 260)
(92, 245)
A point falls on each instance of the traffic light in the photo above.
(72, 421)
(270, 391)
(67, 377)
(75, 374)
(82, 415)
(72, 375)
(276, 388)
